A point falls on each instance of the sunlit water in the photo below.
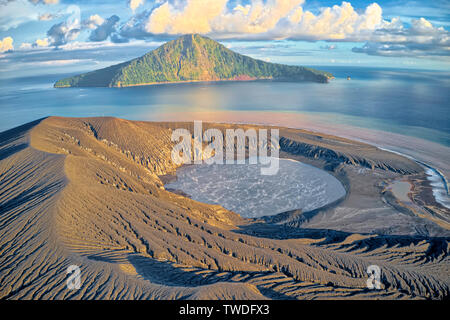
(414, 103)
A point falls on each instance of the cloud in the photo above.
(42, 42)
(436, 10)
(419, 40)
(105, 29)
(15, 13)
(47, 16)
(69, 30)
(134, 4)
(116, 38)
(26, 46)
(93, 21)
(6, 44)
(272, 19)
(44, 1)
(84, 55)
(195, 17)
(59, 62)
(246, 20)
(63, 32)
(337, 23)
(287, 19)
(134, 28)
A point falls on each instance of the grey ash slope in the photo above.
(86, 192)
(191, 58)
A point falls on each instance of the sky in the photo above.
(63, 36)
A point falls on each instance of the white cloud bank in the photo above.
(262, 20)
(286, 19)
(274, 19)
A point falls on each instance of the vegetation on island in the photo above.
(191, 58)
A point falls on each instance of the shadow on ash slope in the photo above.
(87, 192)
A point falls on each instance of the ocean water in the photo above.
(409, 102)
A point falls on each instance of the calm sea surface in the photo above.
(409, 102)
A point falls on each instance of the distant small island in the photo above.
(191, 58)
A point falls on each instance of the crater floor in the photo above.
(243, 189)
